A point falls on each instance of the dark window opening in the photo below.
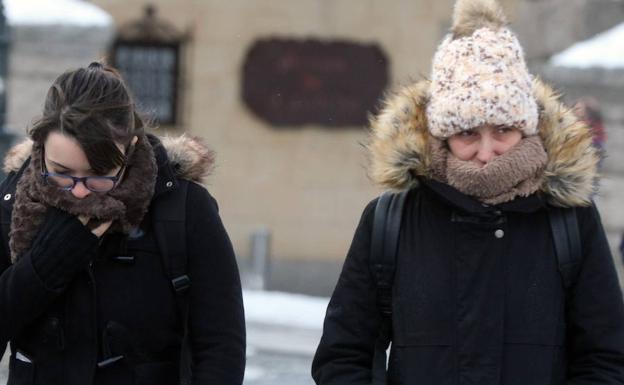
(151, 72)
(148, 52)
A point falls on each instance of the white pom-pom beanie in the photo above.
(479, 75)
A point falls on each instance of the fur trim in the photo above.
(571, 174)
(399, 152)
(17, 155)
(191, 158)
(399, 137)
(471, 15)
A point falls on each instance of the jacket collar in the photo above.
(470, 205)
(166, 179)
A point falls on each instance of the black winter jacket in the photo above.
(106, 308)
(473, 308)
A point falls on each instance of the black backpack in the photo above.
(384, 247)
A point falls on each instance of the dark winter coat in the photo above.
(108, 307)
(477, 296)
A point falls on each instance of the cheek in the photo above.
(509, 141)
(461, 149)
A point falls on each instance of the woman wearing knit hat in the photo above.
(483, 289)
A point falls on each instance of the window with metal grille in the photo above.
(147, 51)
(151, 71)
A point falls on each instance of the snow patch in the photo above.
(285, 309)
(605, 50)
(55, 12)
(254, 373)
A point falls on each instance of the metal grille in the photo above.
(151, 72)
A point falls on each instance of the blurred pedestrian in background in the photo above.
(588, 110)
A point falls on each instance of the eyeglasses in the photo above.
(97, 184)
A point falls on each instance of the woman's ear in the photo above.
(134, 140)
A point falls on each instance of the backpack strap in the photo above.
(384, 246)
(169, 221)
(567, 241)
(170, 226)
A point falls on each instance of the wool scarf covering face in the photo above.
(125, 205)
(518, 172)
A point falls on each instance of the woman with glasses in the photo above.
(115, 266)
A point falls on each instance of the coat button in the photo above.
(7, 197)
(499, 233)
(169, 184)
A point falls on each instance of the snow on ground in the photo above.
(285, 309)
(55, 12)
(605, 50)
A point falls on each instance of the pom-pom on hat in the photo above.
(479, 75)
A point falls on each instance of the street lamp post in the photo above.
(5, 138)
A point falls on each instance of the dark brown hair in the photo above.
(94, 106)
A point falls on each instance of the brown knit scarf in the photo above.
(125, 205)
(518, 172)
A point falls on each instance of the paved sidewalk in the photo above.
(283, 331)
(282, 339)
(271, 368)
(279, 355)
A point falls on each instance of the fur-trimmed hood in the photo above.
(399, 151)
(189, 156)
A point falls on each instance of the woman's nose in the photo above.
(80, 190)
(486, 151)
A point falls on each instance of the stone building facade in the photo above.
(306, 186)
(300, 188)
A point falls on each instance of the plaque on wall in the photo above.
(302, 82)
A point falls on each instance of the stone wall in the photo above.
(38, 54)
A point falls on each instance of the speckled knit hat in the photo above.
(479, 75)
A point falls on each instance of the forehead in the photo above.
(65, 150)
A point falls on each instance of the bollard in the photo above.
(260, 259)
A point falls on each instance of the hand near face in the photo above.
(99, 229)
